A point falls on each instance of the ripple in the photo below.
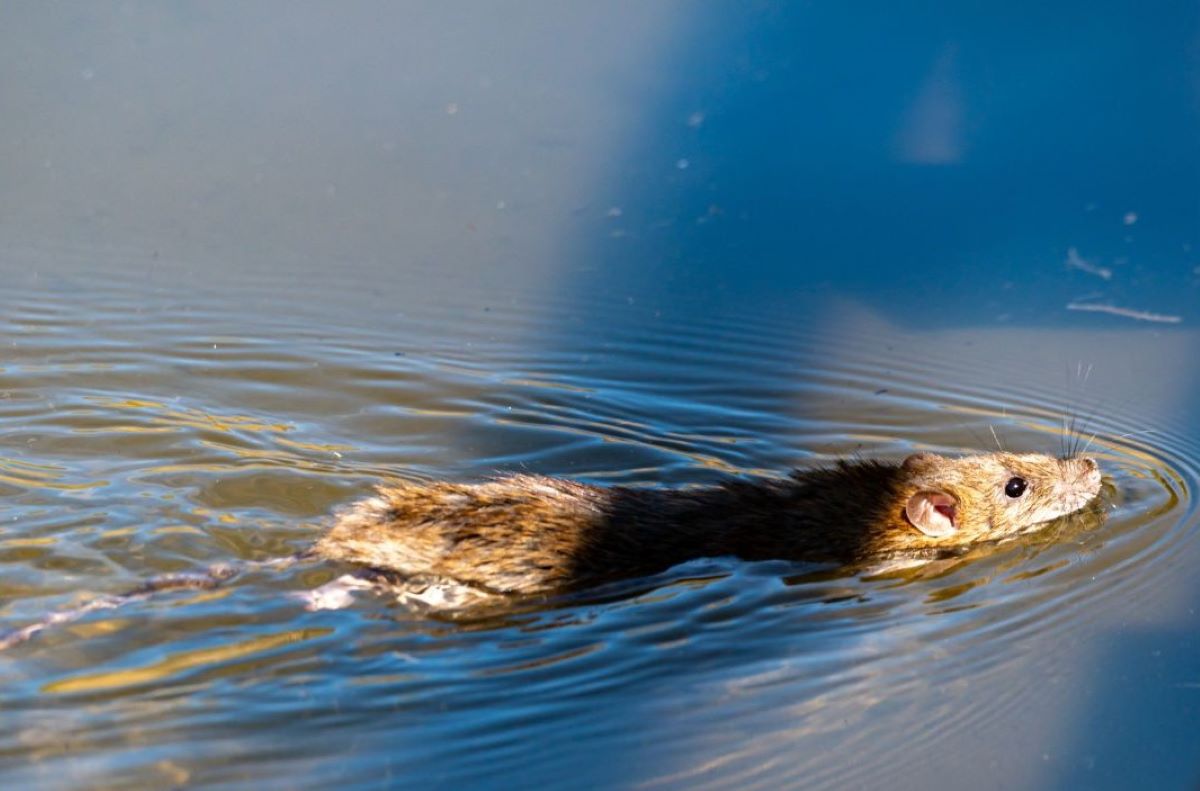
(195, 435)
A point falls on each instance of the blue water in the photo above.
(258, 259)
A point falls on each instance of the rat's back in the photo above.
(515, 534)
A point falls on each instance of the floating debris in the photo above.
(1076, 261)
(1129, 313)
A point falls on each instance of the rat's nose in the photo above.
(1082, 469)
(1087, 473)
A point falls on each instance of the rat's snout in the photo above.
(1084, 472)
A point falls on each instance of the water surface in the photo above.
(257, 260)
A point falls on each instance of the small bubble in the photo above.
(87, 74)
(614, 211)
(696, 120)
(682, 164)
(452, 108)
(501, 205)
(1130, 218)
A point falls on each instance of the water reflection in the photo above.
(258, 258)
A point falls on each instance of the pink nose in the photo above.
(1086, 471)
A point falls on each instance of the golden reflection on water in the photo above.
(33, 475)
(188, 417)
(180, 663)
(28, 541)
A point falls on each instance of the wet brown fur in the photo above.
(532, 534)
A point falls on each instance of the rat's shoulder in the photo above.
(845, 472)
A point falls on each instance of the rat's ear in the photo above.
(932, 513)
(920, 461)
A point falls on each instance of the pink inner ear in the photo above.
(932, 512)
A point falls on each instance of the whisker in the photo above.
(1081, 422)
(1070, 415)
(1093, 414)
(1064, 436)
(1077, 431)
(1143, 431)
(993, 430)
(1070, 435)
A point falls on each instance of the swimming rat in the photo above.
(529, 534)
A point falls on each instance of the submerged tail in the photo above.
(208, 579)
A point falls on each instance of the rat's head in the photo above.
(981, 498)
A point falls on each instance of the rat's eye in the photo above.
(1015, 487)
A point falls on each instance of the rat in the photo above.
(459, 544)
(530, 534)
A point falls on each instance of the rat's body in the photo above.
(530, 534)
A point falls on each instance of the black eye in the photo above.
(1015, 487)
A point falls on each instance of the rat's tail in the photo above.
(212, 577)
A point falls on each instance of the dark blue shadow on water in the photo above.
(954, 153)
(939, 164)
(1137, 728)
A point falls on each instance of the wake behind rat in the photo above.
(457, 545)
(527, 534)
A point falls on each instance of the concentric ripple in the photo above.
(146, 432)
